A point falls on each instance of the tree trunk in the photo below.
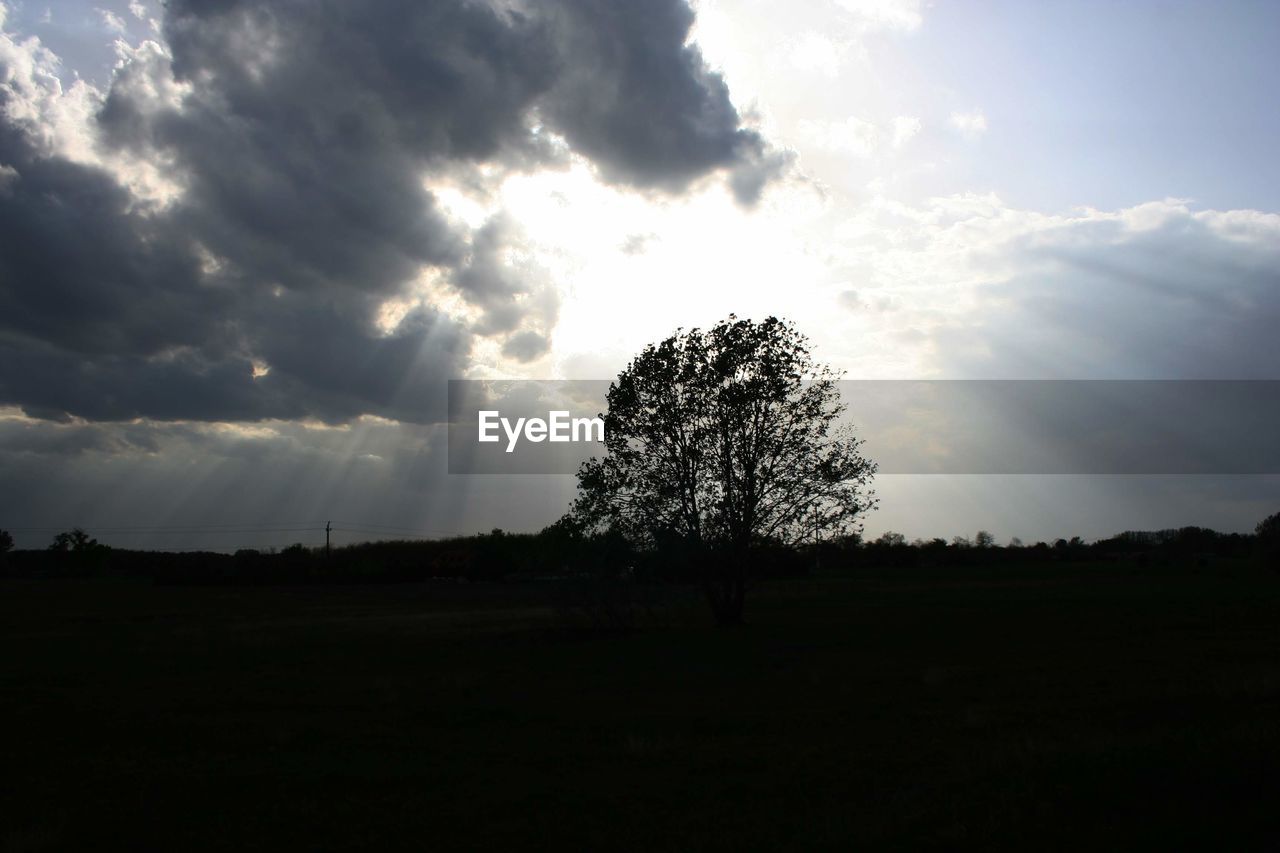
(725, 585)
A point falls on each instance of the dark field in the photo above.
(1040, 707)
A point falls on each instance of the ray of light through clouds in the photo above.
(245, 246)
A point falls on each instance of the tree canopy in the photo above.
(721, 440)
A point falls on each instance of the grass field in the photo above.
(1044, 708)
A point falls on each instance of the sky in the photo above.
(243, 247)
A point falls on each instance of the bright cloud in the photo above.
(892, 14)
(971, 125)
(904, 129)
(112, 21)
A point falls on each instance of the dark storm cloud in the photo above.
(81, 272)
(526, 346)
(21, 437)
(299, 136)
(641, 102)
(108, 315)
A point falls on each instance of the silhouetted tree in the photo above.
(983, 539)
(721, 439)
(74, 551)
(6, 541)
(74, 541)
(1268, 541)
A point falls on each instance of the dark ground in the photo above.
(1107, 708)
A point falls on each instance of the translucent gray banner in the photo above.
(929, 426)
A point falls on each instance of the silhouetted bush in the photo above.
(596, 562)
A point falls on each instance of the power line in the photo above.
(184, 528)
(363, 525)
(235, 528)
(373, 529)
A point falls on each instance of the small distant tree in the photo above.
(961, 542)
(983, 539)
(6, 541)
(74, 541)
(1015, 542)
(891, 539)
(78, 552)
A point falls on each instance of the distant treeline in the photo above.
(556, 553)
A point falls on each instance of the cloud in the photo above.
(818, 53)
(857, 137)
(970, 125)
(221, 234)
(1155, 291)
(984, 290)
(510, 291)
(637, 244)
(526, 346)
(851, 136)
(981, 289)
(227, 486)
(904, 128)
(639, 100)
(757, 170)
(887, 14)
(113, 22)
(968, 286)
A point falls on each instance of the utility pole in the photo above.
(328, 525)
